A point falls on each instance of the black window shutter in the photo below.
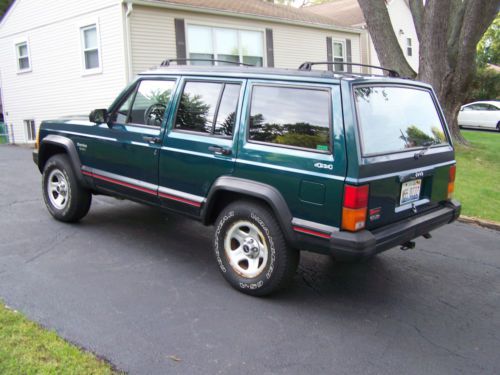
(270, 48)
(329, 54)
(180, 39)
(349, 54)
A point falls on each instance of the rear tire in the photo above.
(64, 197)
(251, 251)
(498, 126)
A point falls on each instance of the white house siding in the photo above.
(153, 37)
(402, 24)
(56, 85)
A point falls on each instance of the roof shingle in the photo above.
(255, 8)
(342, 12)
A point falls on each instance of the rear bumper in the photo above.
(367, 243)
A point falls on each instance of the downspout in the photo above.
(128, 43)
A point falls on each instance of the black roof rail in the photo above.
(308, 66)
(168, 61)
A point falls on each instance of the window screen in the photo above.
(297, 117)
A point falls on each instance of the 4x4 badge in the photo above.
(323, 166)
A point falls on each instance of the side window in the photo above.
(23, 57)
(482, 107)
(208, 107)
(289, 116)
(226, 116)
(147, 104)
(90, 48)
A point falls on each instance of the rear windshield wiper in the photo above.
(427, 146)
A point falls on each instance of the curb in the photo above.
(481, 222)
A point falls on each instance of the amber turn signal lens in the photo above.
(451, 181)
(37, 141)
(451, 189)
(353, 219)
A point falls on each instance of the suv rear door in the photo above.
(293, 140)
(403, 150)
(198, 146)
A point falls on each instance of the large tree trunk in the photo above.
(448, 32)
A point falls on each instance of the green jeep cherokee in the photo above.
(277, 160)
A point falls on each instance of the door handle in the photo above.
(220, 150)
(152, 140)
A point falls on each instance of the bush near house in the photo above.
(478, 175)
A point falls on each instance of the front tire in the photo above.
(251, 250)
(64, 197)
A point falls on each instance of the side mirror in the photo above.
(99, 116)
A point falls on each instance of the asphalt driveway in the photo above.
(137, 286)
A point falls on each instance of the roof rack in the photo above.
(168, 61)
(308, 66)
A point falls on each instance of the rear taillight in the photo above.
(354, 207)
(451, 181)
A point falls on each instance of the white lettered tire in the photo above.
(251, 251)
(65, 199)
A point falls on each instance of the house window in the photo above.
(90, 47)
(234, 45)
(29, 126)
(23, 58)
(339, 55)
(409, 50)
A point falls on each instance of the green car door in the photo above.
(294, 142)
(124, 156)
(198, 146)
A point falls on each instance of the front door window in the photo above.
(146, 105)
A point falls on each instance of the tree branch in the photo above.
(478, 15)
(417, 12)
(456, 22)
(385, 41)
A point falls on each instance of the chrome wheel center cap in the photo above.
(251, 248)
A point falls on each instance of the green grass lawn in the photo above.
(27, 348)
(477, 183)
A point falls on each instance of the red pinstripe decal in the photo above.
(179, 199)
(311, 232)
(117, 182)
(145, 190)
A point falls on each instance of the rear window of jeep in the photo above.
(394, 119)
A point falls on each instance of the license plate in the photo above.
(410, 191)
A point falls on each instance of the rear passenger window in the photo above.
(290, 116)
(208, 107)
(226, 115)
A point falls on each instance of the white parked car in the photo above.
(485, 114)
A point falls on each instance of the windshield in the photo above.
(393, 119)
